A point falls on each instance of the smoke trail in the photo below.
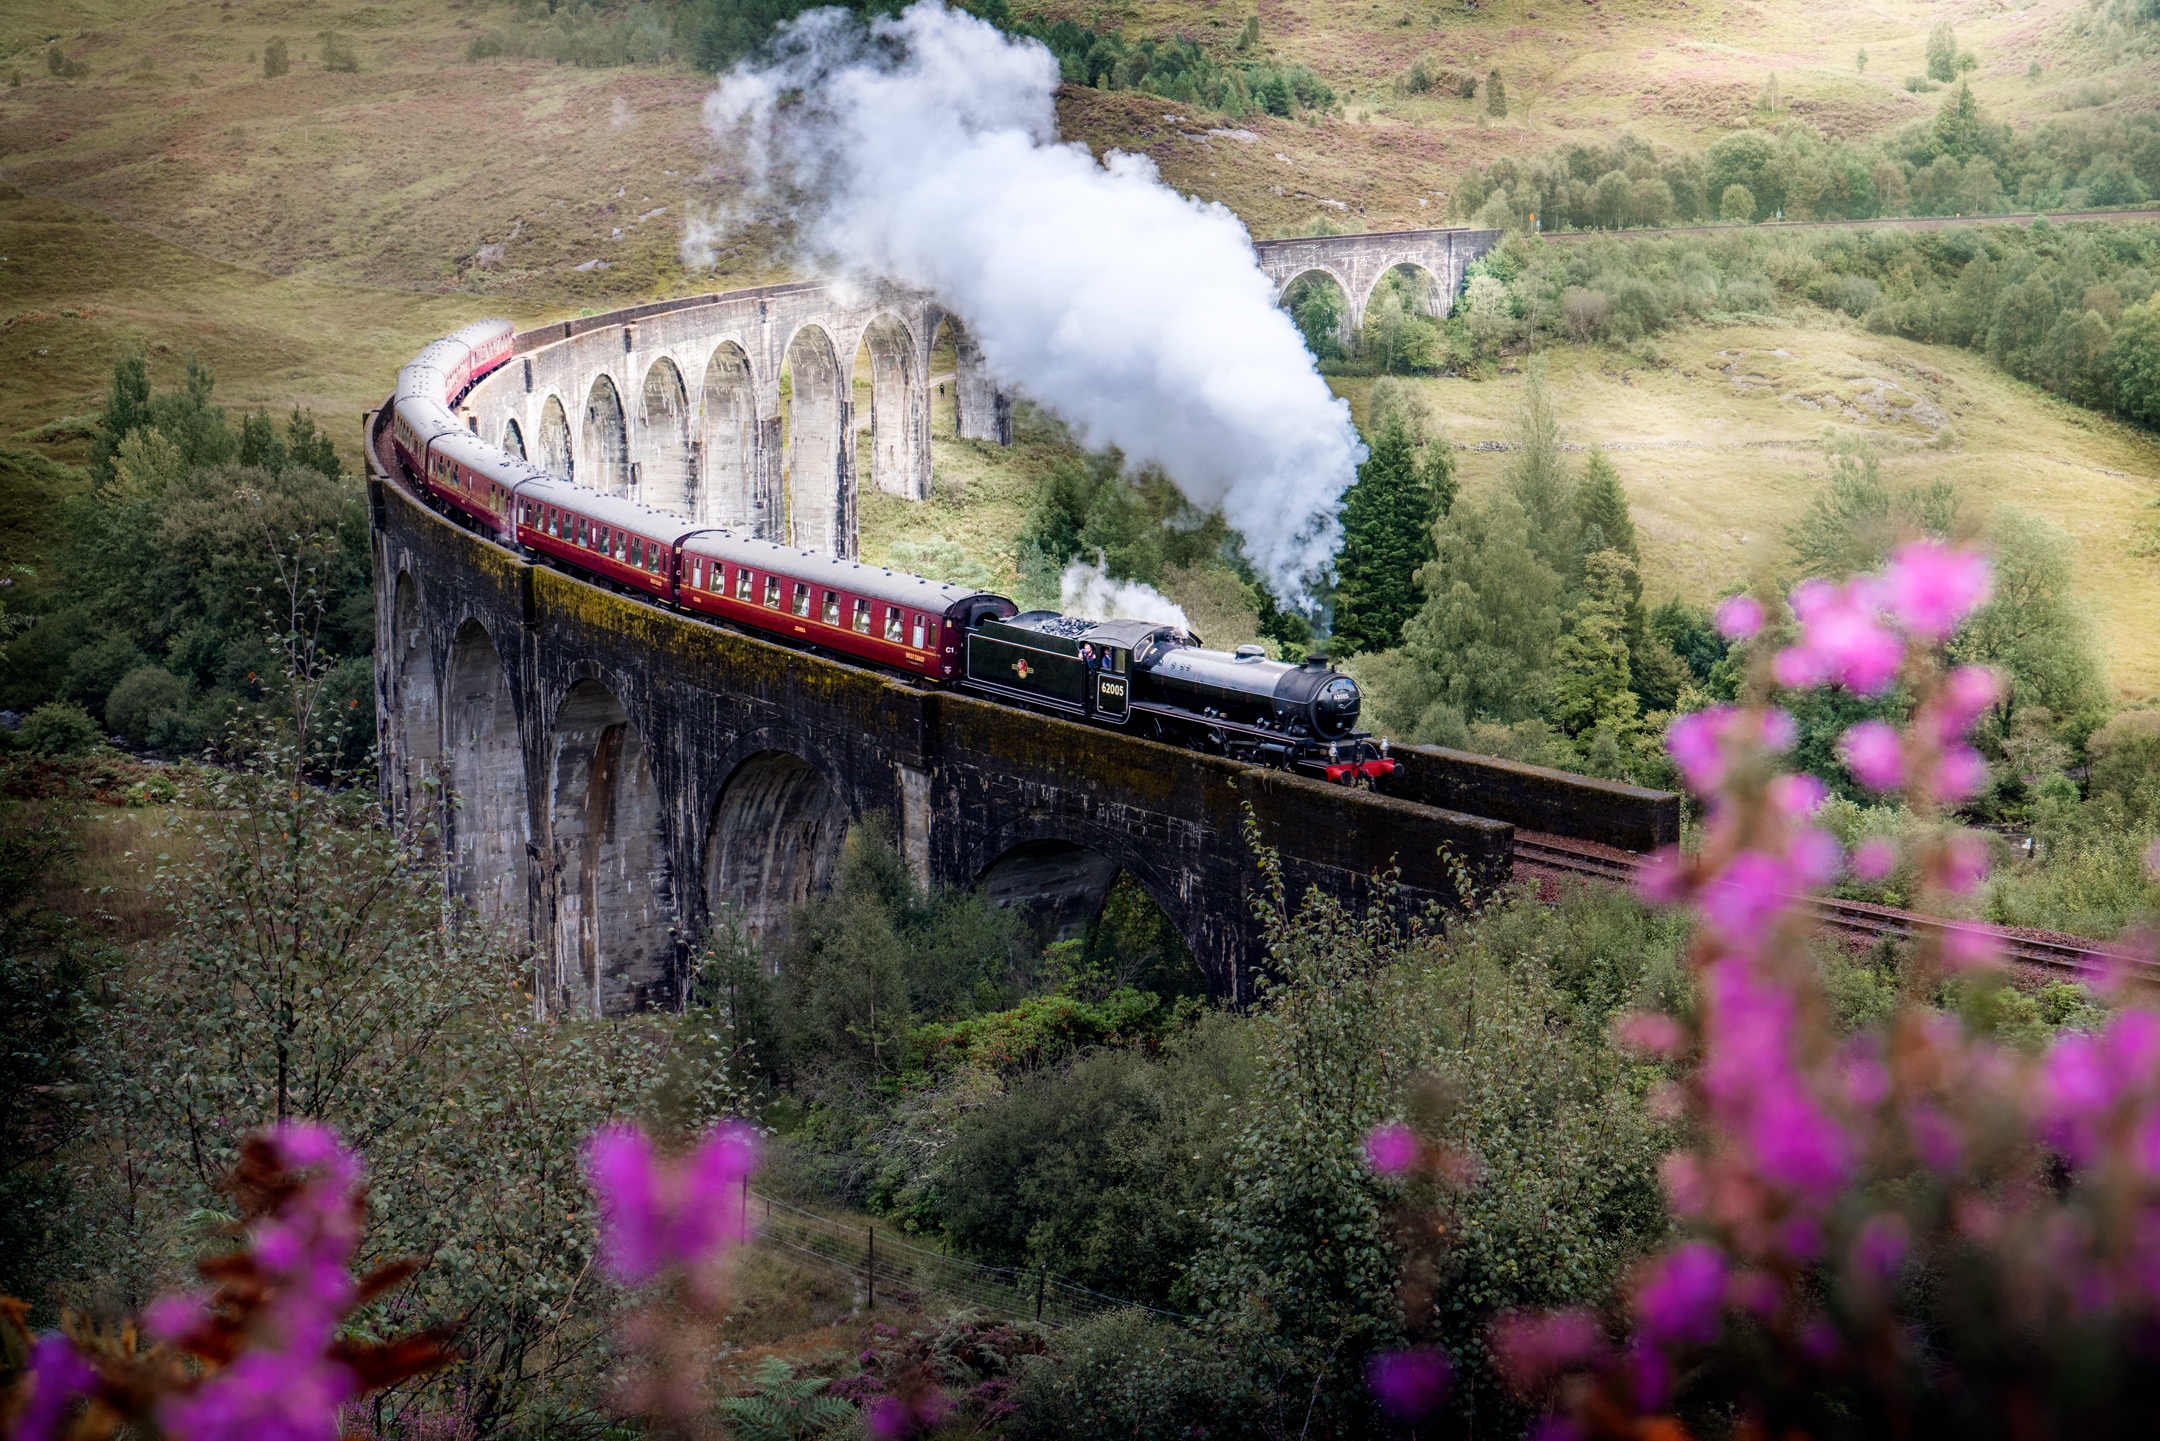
(924, 148)
(1087, 591)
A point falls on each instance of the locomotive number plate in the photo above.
(1112, 696)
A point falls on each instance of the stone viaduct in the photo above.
(607, 774)
(1357, 262)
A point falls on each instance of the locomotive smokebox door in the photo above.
(1113, 697)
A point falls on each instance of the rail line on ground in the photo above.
(1538, 856)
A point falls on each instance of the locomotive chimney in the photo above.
(1316, 662)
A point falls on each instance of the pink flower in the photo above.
(1966, 692)
(1796, 1144)
(1840, 639)
(1693, 743)
(1872, 751)
(1959, 774)
(58, 1377)
(1747, 895)
(1874, 859)
(1680, 1296)
(1930, 588)
(1798, 796)
(1651, 1032)
(658, 1213)
(1813, 855)
(264, 1396)
(1739, 617)
(1531, 1346)
(1968, 948)
(1391, 1148)
(1410, 1384)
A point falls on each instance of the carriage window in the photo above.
(832, 608)
(742, 584)
(862, 617)
(580, 539)
(802, 599)
(622, 546)
(892, 625)
(772, 591)
(918, 632)
(637, 552)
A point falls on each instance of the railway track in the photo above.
(1538, 856)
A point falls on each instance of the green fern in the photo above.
(783, 1408)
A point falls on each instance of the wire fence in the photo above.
(883, 1267)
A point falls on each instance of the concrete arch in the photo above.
(1353, 305)
(416, 707)
(613, 907)
(1350, 296)
(732, 491)
(605, 444)
(488, 826)
(558, 457)
(662, 457)
(513, 439)
(773, 841)
(1061, 869)
(1438, 298)
(899, 409)
(820, 473)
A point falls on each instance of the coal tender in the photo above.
(1157, 681)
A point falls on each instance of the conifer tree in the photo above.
(1605, 509)
(1495, 95)
(1388, 519)
(1538, 476)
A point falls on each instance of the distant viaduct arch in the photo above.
(1356, 263)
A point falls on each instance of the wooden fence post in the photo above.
(872, 1268)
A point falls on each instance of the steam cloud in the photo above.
(1087, 591)
(925, 150)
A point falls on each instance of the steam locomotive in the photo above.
(1146, 678)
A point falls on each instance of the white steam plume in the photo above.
(1087, 591)
(924, 149)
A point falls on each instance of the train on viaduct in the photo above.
(606, 773)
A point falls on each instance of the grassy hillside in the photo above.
(1719, 446)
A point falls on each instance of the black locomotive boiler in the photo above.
(1157, 681)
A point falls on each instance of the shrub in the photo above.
(142, 701)
(62, 68)
(485, 46)
(1736, 206)
(338, 56)
(1583, 311)
(1854, 294)
(277, 59)
(58, 728)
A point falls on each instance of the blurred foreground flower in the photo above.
(1832, 1169)
(256, 1356)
